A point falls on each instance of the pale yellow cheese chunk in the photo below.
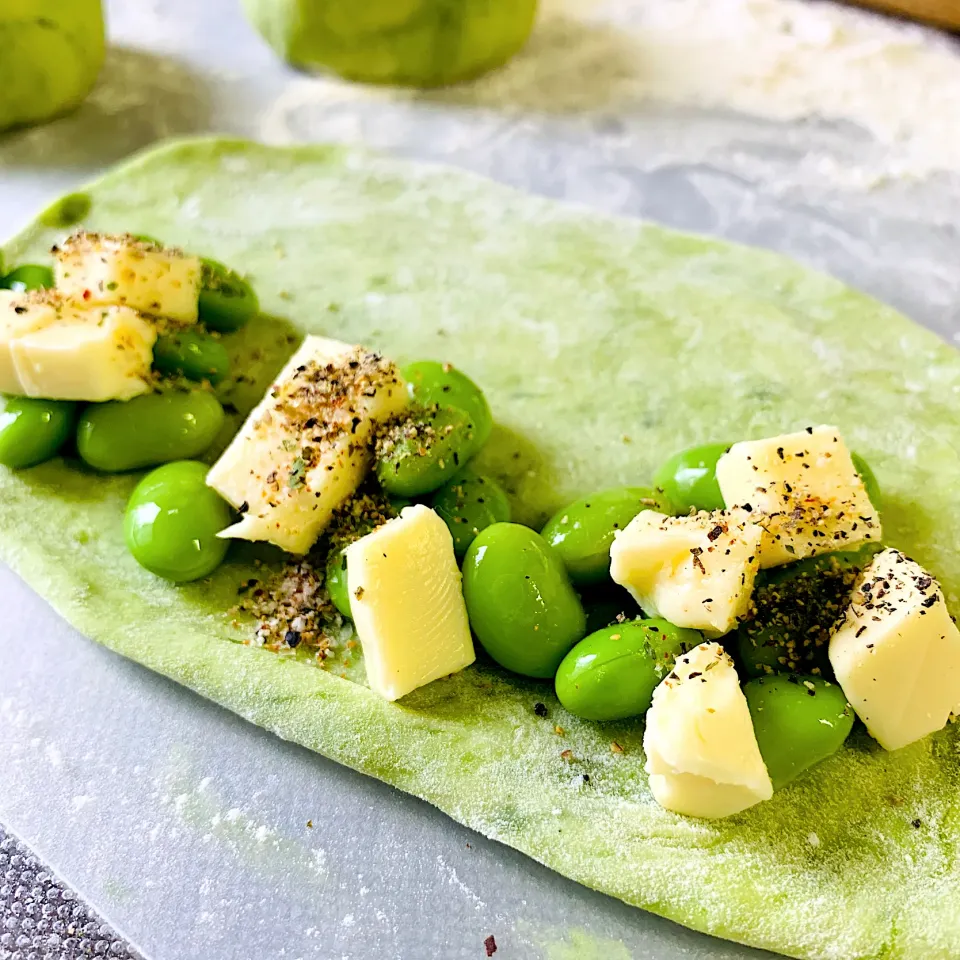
(695, 571)
(407, 603)
(807, 490)
(100, 269)
(702, 753)
(19, 315)
(897, 653)
(61, 350)
(307, 446)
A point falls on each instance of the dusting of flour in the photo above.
(784, 60)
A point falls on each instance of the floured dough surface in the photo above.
(604, 345)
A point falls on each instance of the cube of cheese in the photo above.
(54, 348)
(99, 269)
(407, 603)
(305, 448)
(19, 314)
(702, 753)
(807, 488)
(695, 571)
(897, 653)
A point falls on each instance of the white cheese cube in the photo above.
(695, 571)
(56, 348)
(897, 653)
(407, 603)
(98, 269)
(103, 353)
(807, 488)
(702, 753)
(305, 448)
(20, 314)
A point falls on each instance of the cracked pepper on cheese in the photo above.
(897, 654)
(99, 269)
(60, 349)
(695, 571)
(306, 447)
(806, 486)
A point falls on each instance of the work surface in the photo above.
(189, 828)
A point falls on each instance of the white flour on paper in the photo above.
(783, 60)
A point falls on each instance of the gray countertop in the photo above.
(200, 836)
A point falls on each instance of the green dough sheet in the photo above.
(604, 345)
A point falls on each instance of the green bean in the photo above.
(33, 430)
(172, 521)
(519, 599)
(192, 354)
(468, 504)
(611, 674)
(148, 430)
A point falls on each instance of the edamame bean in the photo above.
(194, 355)
(442, 384)
(611, 674)
(869, 479)
(33, 430)
(30, 276)
(227, 301)
(689, 478)
(148, 430)
(336, 581)
(427, 451)
(799, 721)
(468, 504)
(521, 605)
(172, 521)
(583, 531)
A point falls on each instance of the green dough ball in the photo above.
(52, 53)
(419, 43)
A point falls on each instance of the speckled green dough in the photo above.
(739, 338)
(67, 211)
(52, 53)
